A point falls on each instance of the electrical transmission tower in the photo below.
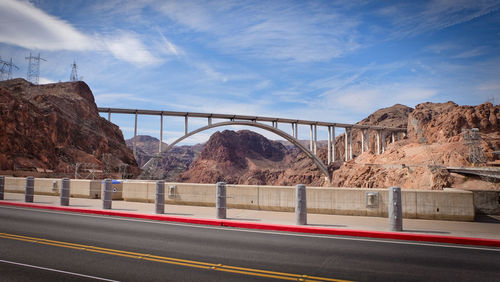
(34, 68)
(74, 73)
(472, 139)
(6, 69)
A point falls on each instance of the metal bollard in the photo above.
(30, 189)
(300, 205)
(220, 202)
(107, 194)
(65, 192)
(2, 186)
(160, 197)
(395, 209)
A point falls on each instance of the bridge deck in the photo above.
(245, 118)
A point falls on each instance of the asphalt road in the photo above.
(38, 245)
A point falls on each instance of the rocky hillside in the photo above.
(174, 162)
(395, 116)
(435, 140)
(246, 157)
(55, 126)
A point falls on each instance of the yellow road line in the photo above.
(169, 260)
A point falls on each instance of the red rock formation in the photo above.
(55, 125)
(435, 140)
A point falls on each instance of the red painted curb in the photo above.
(277, 227)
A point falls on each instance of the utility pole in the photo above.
(34, 68)
(6, 69)
(74, 73)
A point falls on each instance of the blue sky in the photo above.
(333, 61)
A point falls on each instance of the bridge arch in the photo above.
(274, 130)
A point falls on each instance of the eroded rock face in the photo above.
(54, 126)
(435, 140)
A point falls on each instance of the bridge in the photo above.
(270, 124)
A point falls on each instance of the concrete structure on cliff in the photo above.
(269, 124)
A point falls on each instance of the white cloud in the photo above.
(369, 98)
(127, 47)
(43, 80)
(24, 25)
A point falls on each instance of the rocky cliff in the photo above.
(55, 126)
(437, 138)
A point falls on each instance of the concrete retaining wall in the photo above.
(449, 205)
(79, 188)
(487, 202)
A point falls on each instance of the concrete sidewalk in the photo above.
(486, 230)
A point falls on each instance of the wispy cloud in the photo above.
(414, 18)
(302, 33)
(24, 25)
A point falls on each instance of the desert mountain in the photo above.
(437, 138)
(55, 126)
(246, 157)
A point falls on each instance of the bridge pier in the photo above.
(186, 125)
(345, 144)
(329, 145)
(311, 140)
(378, 142)
(135, 137)
(362, 141)
(161, 134)
(315, 139)
(350, 144)
(383, 141)
(333, 144)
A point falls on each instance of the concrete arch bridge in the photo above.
(267, 123)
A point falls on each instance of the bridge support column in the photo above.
(185, 125)
(392, 137)
(395, 209)
(333, 144)
(329, 145)
(368, 140)
(311, 140)
(160, 197)
(30, 189)
(296, 131)
(315, 140)
(109, 116)
(378, 142)
(135, 137)
(350, 144)
(161, 134)
(345, 145)
(362, 141)
(65, 192)
(2, 187)
(300, 205)
(209, 121)
(383, 141)
(220, 201)
(107, 194)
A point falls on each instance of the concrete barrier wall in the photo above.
(79, 188)
(450, 204)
